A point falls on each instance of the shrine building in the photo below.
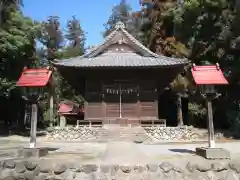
(121, 80)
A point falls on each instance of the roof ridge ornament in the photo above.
(119, 25)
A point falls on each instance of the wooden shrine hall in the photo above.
(121, 80)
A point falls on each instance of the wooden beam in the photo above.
(33, 131)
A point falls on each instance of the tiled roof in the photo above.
(98, 57)
(120, 60)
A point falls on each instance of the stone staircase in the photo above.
(116, 133)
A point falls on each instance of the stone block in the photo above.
(32, 152)
(10, 164)
(59, 169)
(138, 139)
(166, 167)
(152, 167)
(213, 153)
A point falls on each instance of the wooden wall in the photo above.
(141, 103)
(90, 83)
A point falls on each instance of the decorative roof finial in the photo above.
(119, 25)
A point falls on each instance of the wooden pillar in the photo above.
(179, 110)
(62, 121)
(211, 138)
(90, 123)
(26, 114)
(33, 131)
(78, 122)
(51, 104)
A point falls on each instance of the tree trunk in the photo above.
(1, 13)
(179, 110)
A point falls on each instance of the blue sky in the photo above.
(91, 13)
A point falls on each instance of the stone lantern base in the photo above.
(32, 152)
(213, 153)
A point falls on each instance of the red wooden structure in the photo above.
(34, 77)
(208, 75)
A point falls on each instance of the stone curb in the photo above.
(47, 169)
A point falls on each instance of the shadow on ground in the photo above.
(182, 151)
(20, 132)
(229, 134)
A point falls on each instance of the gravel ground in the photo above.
(115, 152)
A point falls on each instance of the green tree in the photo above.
(75, 34)
(121, 12)
(17, 47)
(51, 36)
(58, 45)
(75, 47)
(7, 6)
(159, 37)
(210, 30)
(75, 40)
(205, 27)
(17, 50)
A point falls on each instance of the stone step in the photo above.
(121, 133)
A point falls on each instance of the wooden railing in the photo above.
(148, 123)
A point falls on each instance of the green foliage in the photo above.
(210, 30)
(64, 91)
(202, 26)
(58, 45)
(197, 114)
(6, 7)
(75, 34)
(17, 48)
(121, 12)
(51, 36)
(76, 40)
(69, 52)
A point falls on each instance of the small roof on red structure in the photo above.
(34, 78)
(208, 75)
(69, 108)
(65, 108)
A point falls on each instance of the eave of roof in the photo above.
(121, 60)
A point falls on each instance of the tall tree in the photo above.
(6, 6)
(17, 45)
(75, 37)
(159, 28)
(120, 12)
(52, 38)
(159, 36)
(75, 34)
(17, 49)
(210, 30)
(76, 40)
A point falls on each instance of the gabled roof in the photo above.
(34, 78)
(208, 75)
(101, 56)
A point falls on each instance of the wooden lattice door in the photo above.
(121, 100)
(112, 101)
(129, 98)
